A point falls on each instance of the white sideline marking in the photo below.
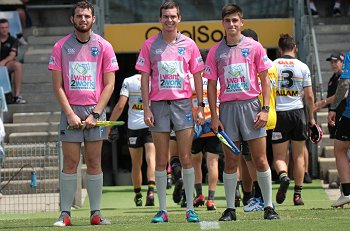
(209, 225)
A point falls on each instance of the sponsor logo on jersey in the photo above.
(223, 56)
(200, 60)
(206, 70)
(159, 51)
(266, 59)
(140, 61)
(52, 60)
(245, 52)
(114, 61)
(71, 51)
(94, 51)
(287, 93)
(181, 51)
(286, 62)
(137, 107)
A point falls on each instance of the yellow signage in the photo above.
(128, 38)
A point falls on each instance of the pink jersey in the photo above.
(82, 66)
(169, 66)
(236, 68)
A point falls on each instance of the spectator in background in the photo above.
(9, 48)
(336, 63)
(336, 12)
(342, 134)
(20, 7)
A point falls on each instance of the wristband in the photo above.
(331, 109)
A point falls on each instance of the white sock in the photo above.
(312, 6)
(230, 183)
(188, 178)
(265, 183)
(337, 5)
(161, 188)
(94, 186)
(68, 187)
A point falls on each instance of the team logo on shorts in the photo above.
(94, 51)
(245, 52)
(181, 51)
(188, 117)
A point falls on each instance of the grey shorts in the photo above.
(172, 115)
(238, 119)
(78, 135)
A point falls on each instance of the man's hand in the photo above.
(148, 118)
(74, 121)
(89, 122)
(261, 119)
(215, 124)
(331, 118)
(200, 116)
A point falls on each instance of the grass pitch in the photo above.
(118, 206)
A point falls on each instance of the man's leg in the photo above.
(68, 181)
(161, 143)
(197, 165)
(16, 68)
(279, 153)
(151, 165)
(213, 175)
(136, 163)
(298, 169)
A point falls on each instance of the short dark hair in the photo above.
(4, 20)
(286, 42)
(231, 8)
(169, 5)
(250, 33)
(84, 5)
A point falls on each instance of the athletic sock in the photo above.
(168, 169)
(282, 174)
(137, 190)
(151, 184)
(211, 195)
(297, 189)
(265, 183)
(176, 167)
(346, 189)
(188, 179)
(257, 190)
(230, 182)
(68, 187)
(198, 188)
(161, 182)
(94, 186)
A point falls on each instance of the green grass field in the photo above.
(118, 206)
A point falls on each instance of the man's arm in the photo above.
(148, 116)
(342, 88)
(109, 80)
(309, 100)
(212, 99)
(262, 117)
(57, 84)
(118, 108)
(10, 57)
(198, 85)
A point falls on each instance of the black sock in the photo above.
(198, 188)
(211, 195)
(68, 212)
(137, 190)
(297, 189)
(282, 174)
(176, 168)
(346, 189)
(257, 190)
(93, 211)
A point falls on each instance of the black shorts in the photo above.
(137, 138)
(343, 130)
(332, 129)
(291, 125)
(207, 144)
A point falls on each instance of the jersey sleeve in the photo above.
(55, 62)
(110, 62)
(143, 62)
(211, 69)
(346, 67)
(307, 82)
(196, 63)
(124, 91)
(262, 61)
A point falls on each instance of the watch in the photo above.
(95, 115)
(265, 108)
(201, 104)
